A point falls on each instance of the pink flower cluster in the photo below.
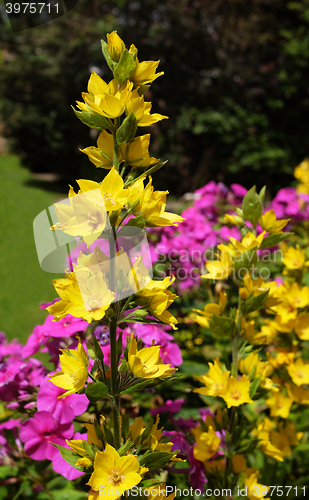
(183, 250)
(24, 386)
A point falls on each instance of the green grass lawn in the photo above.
(23, 284)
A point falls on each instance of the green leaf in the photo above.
(125, 67)
(98, 431)
(252, 207)
(127, 130)
(254, 386)
(96, 391)
(139, 386)
(125, 447)
(272, 239)
(137, 221)
(254, 303)
(262, 193)
(156, 459)
(92, 120)
(147, 430)
(69, 456)
(221, 326)
(112, 64)
(193, 368)
(69, 494)
(97, 349)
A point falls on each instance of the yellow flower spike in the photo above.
(145, 72)
(279, 405)
(136, 153)
(299, 372)
(207, 443)
(146, 363)
(262, 432)
(270, 224)
(215, 380)
(237, 392)
(103, 155)
(116, 46)
(114, 473)
(294, 258)
(74, 370)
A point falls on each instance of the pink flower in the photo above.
(40, 431)
(63, 410)
(169, 406)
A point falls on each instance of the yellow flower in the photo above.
(301, 173)
(266, 336)
(151, 206)
(84, 295)
(105, 99)
(84, 462)
(270, 224)
(103, 155)
(74, 370)
(249, 242)
(113, 473)
(256, 287)
(294, 258)
(252, 364)
(116, 46)
(136, 153)
(203, 317)
(279, 405)
(145, 72)
(215, 380)
(299, 372)
(222, 268)
(255, 489)
(284, 357)
(237, 392)
(302, 326)
(234, 219)
(207, 443)
(146, 363)
(157, 299)
(141, 110)
(298, 394)
(262, 432)
(87, 213)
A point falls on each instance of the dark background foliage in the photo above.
(235, 87)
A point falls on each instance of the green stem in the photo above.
(116, 147)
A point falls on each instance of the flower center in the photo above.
(116, 477)
(235, 394)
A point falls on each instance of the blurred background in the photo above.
(235, 88)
